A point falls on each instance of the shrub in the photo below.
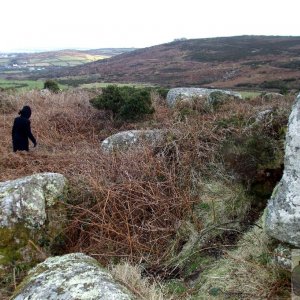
(126, 103)
(216, 98)
(110, 99)
(162, 91)
(52, 86)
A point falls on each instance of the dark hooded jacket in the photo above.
(21, 131)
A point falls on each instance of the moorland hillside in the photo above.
(261, 62)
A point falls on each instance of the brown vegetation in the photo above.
(130, 205)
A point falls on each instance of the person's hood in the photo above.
(25, 112)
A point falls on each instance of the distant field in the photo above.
(39, 84)
(63, 61)
(35, 63)
(105, 84)
(249, 94)
(24, 84)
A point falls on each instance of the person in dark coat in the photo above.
(21, 131)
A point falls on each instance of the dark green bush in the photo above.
(256, 158)
(162, 91)
(52, 86)
(126, 103)
(280, 85)
(217, 98)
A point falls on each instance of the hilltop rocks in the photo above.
(69, 277)
(132, 138)
(179, 94)
(30, 215)
(282, 215)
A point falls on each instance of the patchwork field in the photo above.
(17, 64)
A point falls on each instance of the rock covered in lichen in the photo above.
(282, 215)
(132, 138)
(263, 115)
(26, 199)
(272, 95)
(72, 276)
(31, 217)
(282, 257)
(178, 94)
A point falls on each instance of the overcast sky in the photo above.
(60, 24)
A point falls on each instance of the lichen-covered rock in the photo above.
(282, 215)
(179, 94)
(282, 257)
(270, 96)
(263, 115)
(132, 138)
(31, 217)
(25, 199)
(72, 276)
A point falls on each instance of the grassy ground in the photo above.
(249, 94)
(38, 84)
(24, 85)
(105, 84)
(172, 208)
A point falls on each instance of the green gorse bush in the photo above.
(52, 86)
(125, 103)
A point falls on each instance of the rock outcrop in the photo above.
(31, 216)
(132, 138)
(270, 96)
(179, 94)
(25, 199)
(282, 215)
(263, 115)
(69, 277)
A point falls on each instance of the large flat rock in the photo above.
(73, 276)
(177, 94)
(125, 140)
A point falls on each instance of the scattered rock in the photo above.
(282, 257)
(44, 93)
(179, 94)
(263, 115)
(282, 215)
(133, 138)
(25, 200)
(69, 277)
(30, 216)
(270, 96)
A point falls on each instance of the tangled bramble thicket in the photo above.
(131, 205)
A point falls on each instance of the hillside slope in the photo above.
(244, 61)
(22, 64)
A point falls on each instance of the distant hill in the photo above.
(109, 51)
(241, 62)
(24, 64)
